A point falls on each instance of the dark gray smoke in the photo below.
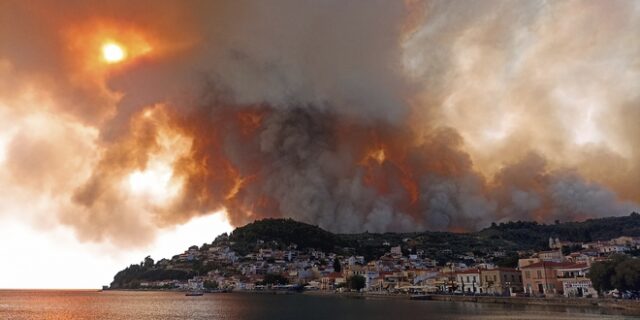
(372, 115)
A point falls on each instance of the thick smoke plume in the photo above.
(371, 115)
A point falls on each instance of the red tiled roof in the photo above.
(547, 264)
(502, 269)
(574, 266)
(471, 271)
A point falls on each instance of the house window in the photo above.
(539, 273)
(527, 274)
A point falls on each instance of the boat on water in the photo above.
(194, 294)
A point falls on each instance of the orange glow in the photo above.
(412, 188)
(112, 52)
(378, 155)
(395, 171)
(376, 176)
(97, 46)
(154, 180)
(250, 120)
(238, 181)
(237, 184)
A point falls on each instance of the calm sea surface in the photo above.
(171, 305)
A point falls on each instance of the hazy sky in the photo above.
(126, 125)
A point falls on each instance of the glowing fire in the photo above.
(237, 184)
(378, 155)
(238, 181)
(381, 178)
(113, 52)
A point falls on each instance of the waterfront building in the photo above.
(540, 278)
(575, 282)
(502, 281)
(469, 281)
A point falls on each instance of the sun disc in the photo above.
(112, 52)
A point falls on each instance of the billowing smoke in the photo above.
(372, 115)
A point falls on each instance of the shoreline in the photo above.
(628, 307)
(610, 304)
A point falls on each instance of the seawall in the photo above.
(629, 305)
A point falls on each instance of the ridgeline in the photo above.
(505, 238)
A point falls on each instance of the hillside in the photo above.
(536, 235)
(511, 236)
(281, 233)
(498, 243)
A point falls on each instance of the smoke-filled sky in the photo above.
(125, 123)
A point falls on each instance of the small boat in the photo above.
(194, 294)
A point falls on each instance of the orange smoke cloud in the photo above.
(387, 116)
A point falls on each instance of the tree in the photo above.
(134, 284)
(510, 260)
(356, 282)
(600, 275)
(275, 279)
(148, 262)
(211, 285)
(566, 250)
(336, 265)
(620, 272)
(626, 275)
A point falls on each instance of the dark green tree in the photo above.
(275, 279)
(356, 282)
(510, 260)
(621, 272)
(626, 275)
(211, 285)
(600, 275)
(566, 250)
(337, 267)
(148, 262)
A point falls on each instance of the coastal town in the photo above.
(560, 271)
